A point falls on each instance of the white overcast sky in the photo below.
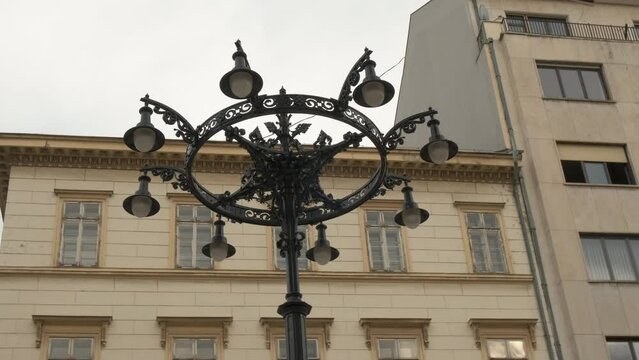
(78, 67)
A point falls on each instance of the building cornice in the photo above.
(261, 275)
(224, 158)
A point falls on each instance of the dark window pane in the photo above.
(549, 82)
(571, 84)
(593, 84)
(619, 173)
(573, 171)
(596, 173)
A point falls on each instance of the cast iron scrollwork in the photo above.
(394, 136)
(171, 117)
(170, 173)
(351, 80)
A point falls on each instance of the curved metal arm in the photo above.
(351, 80)
(168, 173)
(170, 117)
(394, 137)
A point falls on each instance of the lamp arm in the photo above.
(168, 173)
(184, 129)
(351, 80)
(394, 137)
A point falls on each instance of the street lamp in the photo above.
(284, 176)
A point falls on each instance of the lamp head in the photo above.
(411, 214)
(144, 137)
(373, 91)
(322, 253)
(218, 249)
(241, 82)
(142, 204)
(439, 149)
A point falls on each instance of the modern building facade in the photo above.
(82, 279)
(559, 82)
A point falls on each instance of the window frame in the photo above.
(66, 195)
(556, 66)
(546, 18)
(194, 328)
(316, 328)
(592, 154)
(273, 251)
(174, 236)
(628, 340)
(52, 326)
(383, 205)
(396, 328)
(602, 237)
(508, 329)
(464, 207)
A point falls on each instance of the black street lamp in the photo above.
(284, 176)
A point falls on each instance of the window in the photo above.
(317, 337)
(595, 164)
(302, 262)
(536, 25)
(70, 337)
(70, 349)
(571, 82)
(486, 245)
(395, 349)
(504, 339)
(623, 349)
(193, 349)
(193, 338)
(505, 349)
(396, 338)
(384, 241)
(611, 257)
(80, 233)
(312, 349)
(194, 230)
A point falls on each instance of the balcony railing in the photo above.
(561, 28)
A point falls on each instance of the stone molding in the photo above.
(478, 324)
(189, 322)
(370, 324)
(261, 275)
(100, 322)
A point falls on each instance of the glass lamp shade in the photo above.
(241, 84)
(144, 139)
(219, 250)
(373, 93)
(141, 206)
(322, 252)
(412, 217)
(438, 151)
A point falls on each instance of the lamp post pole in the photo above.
(284, 175)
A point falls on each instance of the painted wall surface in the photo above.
(444, 69)
(587, 311)
(136, 282)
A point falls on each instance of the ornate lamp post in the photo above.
(284, 176)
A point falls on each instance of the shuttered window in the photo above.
(611, 257)
(80, 233)
(194, 230)
(486, 243)
(595, 164)
(384, 241)
(70, 349)
(280, 261)
(193, 349)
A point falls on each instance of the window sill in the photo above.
(579, 100)
(617, 186)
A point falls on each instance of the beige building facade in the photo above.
(80, 278)
(558, 81)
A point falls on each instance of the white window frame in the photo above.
(70, 346)
(195, 249)
(280, 356)
(506, 340)
(194, 340)
(384, 246)
(490, 262)
(396, 340)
